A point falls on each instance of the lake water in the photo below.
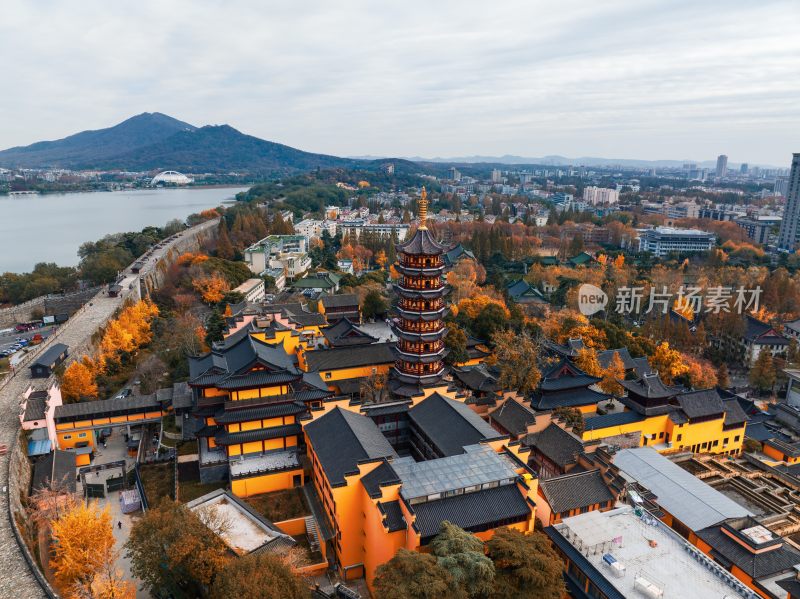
(51, 227)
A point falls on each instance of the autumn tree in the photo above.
(462, 554)
(723, 377)
(456, 344)
(517, 356)
(587, 361)
(83, 546)
(668, 362)
(700, 373)
(415, 575)
(375, 388)
(526, 566)
(170, 548)
(211, 287)
(381, 259)
(258, 576)
(763, 374)
(614, 373)
(78, 381)
(224, 245)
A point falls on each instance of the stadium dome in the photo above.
(171, 178)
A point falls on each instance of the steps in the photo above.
(311, 533)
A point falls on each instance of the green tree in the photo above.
(572, 417)
(214, 327)
(258, 576)
(526, 566)
(414, 575)
(462, 554)
(491, 319)
(763, 374)
(373, 305)
(517, 356)
(171, 549)
(456, 344)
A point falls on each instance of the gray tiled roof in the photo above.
(50, 355)
(393, 515)
(556, 444)
(573, 491)
(471, 511)
(450, 424)
(513, 416)
(341, 439)
(756, 565)
(350, 357)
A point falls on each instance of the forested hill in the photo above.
(154, 141)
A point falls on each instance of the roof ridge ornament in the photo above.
(423, 209)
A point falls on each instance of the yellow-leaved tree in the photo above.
(669, 363)
(78, 381)
(83, 554)
(587, 361)
(612, 375)
(211, 287)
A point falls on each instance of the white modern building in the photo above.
(354, 228)
(600, 195)
(252, 290)
(660, 241)
(170, 178)
(285, 252)
(312, 228)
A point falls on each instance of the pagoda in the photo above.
(421, 308)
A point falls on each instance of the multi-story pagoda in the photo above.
(421, 307)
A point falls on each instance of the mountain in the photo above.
(220, 148)
(88, 147)
(154, 141)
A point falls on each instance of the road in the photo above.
(16, 578)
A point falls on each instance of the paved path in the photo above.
(16, 579)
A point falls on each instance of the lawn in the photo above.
(190, 490)
(158, 481)
(280, 505)
(187, 448)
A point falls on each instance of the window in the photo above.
(725, 441)
(716, 442)
(736, 439)
(67, 437)
(327, 375)
(82, 435)
(679, 437)
(660, 435)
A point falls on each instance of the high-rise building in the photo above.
(722, 165)
(744, 168)
(421, 308)
(497, 176)
(781, 186)
(790, 225)
(455, 174)
(600, 195)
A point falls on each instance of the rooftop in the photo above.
(479, 467)
(647, 550)
(695, 503)
(246, 531)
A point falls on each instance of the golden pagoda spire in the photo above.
(423, 209)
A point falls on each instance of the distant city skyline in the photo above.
(628, 80)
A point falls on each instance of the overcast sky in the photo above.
(618, 79)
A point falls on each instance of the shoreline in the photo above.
(126, 189)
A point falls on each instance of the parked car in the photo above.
(123, 394)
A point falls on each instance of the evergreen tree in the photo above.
(763, 374)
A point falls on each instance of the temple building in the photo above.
(421, 308)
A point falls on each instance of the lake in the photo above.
(51, 227)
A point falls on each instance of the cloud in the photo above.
(638, 79)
